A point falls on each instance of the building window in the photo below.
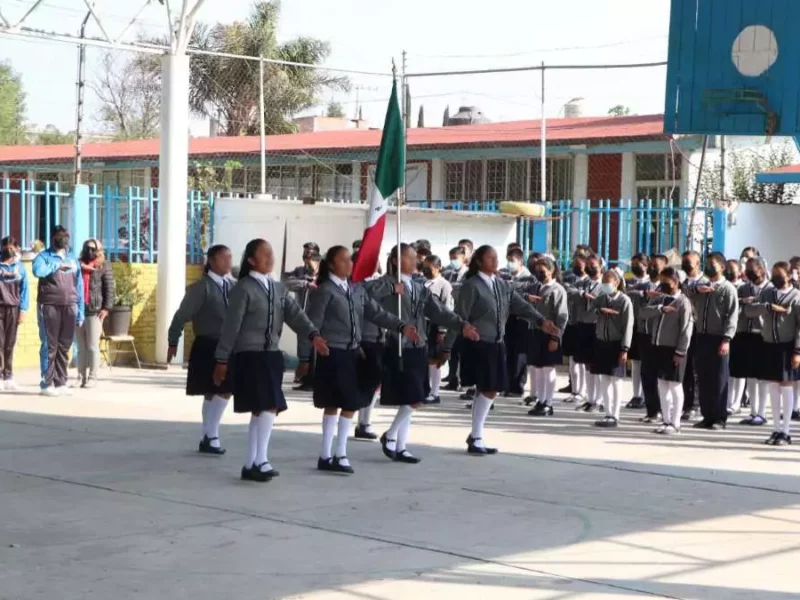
(454, 190)
(560, 177)
(123, 178)
(517, 175)
(658, 167)
(658, 180)
(496, 180)
(334, 182)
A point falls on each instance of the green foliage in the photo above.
(335, 110)
(620, 110)
(421, 117)
(205, 177)
(12, 107)
(742, 166)
(126, 285)
(51, 136)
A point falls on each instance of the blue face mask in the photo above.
(608, 288)
(456, 264)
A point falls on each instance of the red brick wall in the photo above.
(605, 183)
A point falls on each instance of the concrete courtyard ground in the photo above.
(102, 496)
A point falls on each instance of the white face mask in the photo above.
(513, 266)
(608, 289)
(456, 264)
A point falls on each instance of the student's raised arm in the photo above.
(192, 302)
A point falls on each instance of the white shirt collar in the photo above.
(263, 278)
(488, 279)
(406, 279)
(218, 279)
(342, 283)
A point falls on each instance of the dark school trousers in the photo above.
(712, 378)
(453, 363)
(649, 376)
(56, 331)
(9, 317)
(516, 340)
(689, 379)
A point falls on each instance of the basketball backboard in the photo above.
(733, 67)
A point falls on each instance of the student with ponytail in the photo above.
(204, 305)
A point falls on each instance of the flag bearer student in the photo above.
(369, 370)
(485, 301)
(583, 294)
(14, 302)
(338, 310)
(59, 310)
(544, 351)
(716, 306)
(694, 278)
(613, 338)
(635, 290)
(641, 295)
(403, 379)
(779, 364)
(736, 385)
(577, 373)
(747, 346)
(516, 338)
(441, 289)
(204, 304)
(258, 306)
(671, 319)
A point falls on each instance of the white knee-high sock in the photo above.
(736, 387)
(218, 406)
(328, 431)
(403, 412)
(538, 378)
(636, 378)
(252, 442)
(614, 391)
(665, 397)
(574, 376)
(796, 387)
(435, 375)
(753, 394)
(365, 414)
(592, 391)
(341, 436)
(549, 378)
(206, 411)
(677, 403)
(402, 433)
(762, 390)
(580, 371)
(480, 410)
(534, 388)
(775, 404)
(265, 422)
(787, 403)
(603, 391)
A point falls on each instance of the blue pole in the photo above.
(6, 207)
(152, 217)
(130, 226)
(720, 224)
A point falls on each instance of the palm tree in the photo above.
(228, 88)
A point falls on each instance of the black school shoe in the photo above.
(607, 422)
(362, 433)
(770, 441)
(255, 473)
(584, 406)
(796, 415)
(468, 395)
(529, 400)
(390, 454)
(541, 410)
(453, 386)
(567, 389)
(702, 424)
(206, 447)
(404, 456)
(338, 467)
(635, 403)
(782, 440)
(432, 400)
(473, 449)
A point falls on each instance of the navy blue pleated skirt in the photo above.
(539, 353)
(483, 366)
(635, 352)
(606, 359)
(584, 343)
(775, 364)
(200, 374)
(258, 381)
(336, 381)
(406, 382)
(746, 349)
(370, 368)
(569, 341)
(664, 358)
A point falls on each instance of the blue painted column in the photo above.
(539, 242)
(79, 217)
(720, 225)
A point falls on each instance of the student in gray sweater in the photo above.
(671, 322)
(339, 310)
(204, 304)
(716, 306)
(486, 301)
(779, 307)
(613, 338)
(258, 306)
(405, 376)
(443, 290)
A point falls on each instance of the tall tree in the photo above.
(229, 87)
(51, 135)
(12, 107)
(407, 106)
(421, 117)
(335, 110)
(446, 117)
(620, 110)
(130, 96)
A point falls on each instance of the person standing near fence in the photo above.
(60, 304)
(97, 281)
(204, 304)
(583, 295)
(14, 300)
(441, 288)
(748, 344)
(691, 267)
(635, 289)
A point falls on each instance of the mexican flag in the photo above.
(389, 178)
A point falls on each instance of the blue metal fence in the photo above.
(125, 220)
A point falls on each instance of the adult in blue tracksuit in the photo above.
(13, 305)
(59, 310)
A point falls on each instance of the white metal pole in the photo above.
(401, 198)
(262, 126)
(543, 186)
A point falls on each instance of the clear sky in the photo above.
(366, 34)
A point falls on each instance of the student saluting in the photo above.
(258, 306)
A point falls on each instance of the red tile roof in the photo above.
(516, 133)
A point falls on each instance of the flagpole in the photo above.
(401, 198)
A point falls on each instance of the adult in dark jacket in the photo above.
(98, 298)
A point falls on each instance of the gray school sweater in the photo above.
(339, 317)
(670, 329)
(442, 290)
(570, 281)
(488, 310)
(717, 313)
(638, 295)
(614, 328)
(778, 328)
(582, 308)
(255, 317)
(553, 305)
(418, 305)
(204, 305)
(747, 323)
